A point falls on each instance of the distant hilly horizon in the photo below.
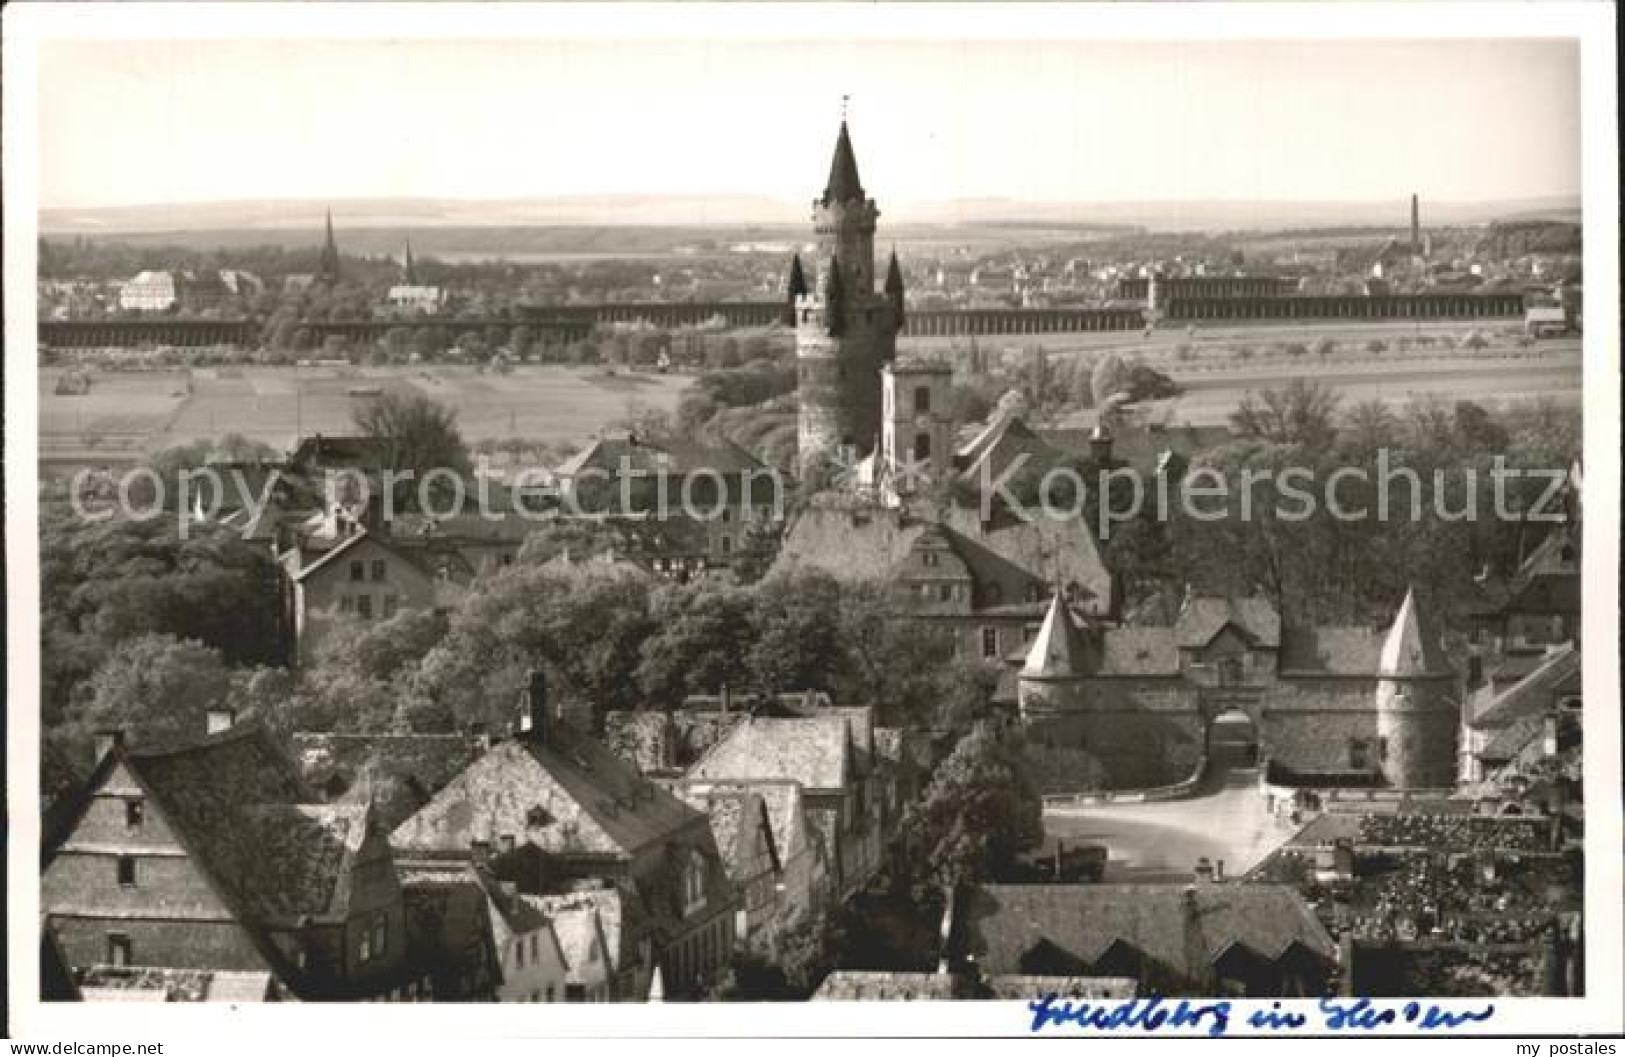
(761, 211)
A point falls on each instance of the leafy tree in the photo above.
(1300, 412)
(703, 639)
(156, 688)
(417, 434)
(977, 816)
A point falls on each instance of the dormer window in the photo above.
(694, 883)
(135, 812)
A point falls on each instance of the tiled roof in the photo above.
(231, 799)
(1010, 986)
(1548, 581)
(864, 542)
(1204, 617)
(567, 795)
(815, 752)
(402, 771)
(846, 985)
(1509, 741)
(1410, 647)
(1139, 651)
(1534, 693)
(1330, 651)
(1173, 925)
(1057, 649)
(1326, 830)
(303, 855)
(843, 184)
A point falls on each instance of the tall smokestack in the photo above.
(1416, 224)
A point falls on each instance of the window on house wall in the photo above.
(506, 841)
(363, 606)
(364, 954)
(358, 571)
(990, 642)
(1359, 754)
(378, 570)
(519, 952)
(392, 605)
(347, 604)
(507, 560)
(126, 871)
(945, 592)
(135, 812)
(119, 949)
(727, 544)
(922, 401)
(380, 934)
(922, 447)
(550, 992)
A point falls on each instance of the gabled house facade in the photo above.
(214, 857)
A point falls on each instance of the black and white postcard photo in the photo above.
(1084, 521)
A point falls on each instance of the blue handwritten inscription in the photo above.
(1361, 1015)
(1146, 1014)
(1157, 1015)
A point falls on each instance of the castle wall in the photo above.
(1142, 731)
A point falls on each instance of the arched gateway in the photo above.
(1232, 740)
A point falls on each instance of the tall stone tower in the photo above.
(846, 331)
(916, 431)
(1416, 224)
(1417, 714)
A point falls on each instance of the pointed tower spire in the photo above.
(843, 185)
(1409, 648)
(834, 298)
(794, 288)
(329, 270)
(411, 268)
(1057, 652)
(894, 288)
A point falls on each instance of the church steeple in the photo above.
(894, 289)
(410, 269)
(843, 185)
(796, 287)
(328, 272)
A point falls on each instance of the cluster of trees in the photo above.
(140, 626)
(1352, 564)
(613, 640)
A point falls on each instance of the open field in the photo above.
(1208, 364)
(126, 414)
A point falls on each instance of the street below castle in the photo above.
(1161, 841)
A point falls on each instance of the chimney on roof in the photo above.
(536, 707)
(107, 740)
(219, 720)
(1100, 444)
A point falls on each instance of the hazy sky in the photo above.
(166, 121)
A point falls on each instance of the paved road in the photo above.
(1161, 842)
